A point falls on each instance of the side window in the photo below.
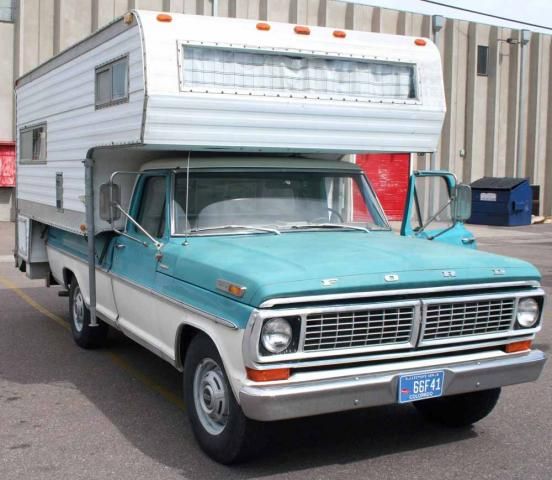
(32, 144)
(152, 207)
(112, 83)
(432, 205)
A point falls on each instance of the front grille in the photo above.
(461, 319)
(360, 328)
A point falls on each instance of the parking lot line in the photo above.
(118, 360)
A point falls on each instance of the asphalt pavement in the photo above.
(66, 413)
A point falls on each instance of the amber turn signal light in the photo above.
(518, 346)
(164, 17)
(268, 375)
(301, 30)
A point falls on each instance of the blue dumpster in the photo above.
(501, 201)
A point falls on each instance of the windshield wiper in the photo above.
(329, 225)
(234, 227)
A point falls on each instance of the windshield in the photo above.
(274, 201)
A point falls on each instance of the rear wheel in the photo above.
(459, 410)
(218, 423)
(84, 335)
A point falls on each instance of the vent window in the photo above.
(112, 83)
(482, 60)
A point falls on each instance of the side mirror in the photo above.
(462, 203)
(110, 195)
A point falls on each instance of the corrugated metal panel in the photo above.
(7, 164)
(64, 98)
(388, 174)
(206, 121)
(217, 120)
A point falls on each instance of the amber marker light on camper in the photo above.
(339, 34)
(268, 375)
(265, 27)
(301, 30)
(518, 346)
(164, 17)
(420, 42)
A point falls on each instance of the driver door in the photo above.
(429, 210)
(136, 259)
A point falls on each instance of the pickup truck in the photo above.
(192, 182)
(278, 287)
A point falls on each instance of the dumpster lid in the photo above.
(498, 183)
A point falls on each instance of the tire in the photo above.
(459, 410)
(84, 335)
(219, 425)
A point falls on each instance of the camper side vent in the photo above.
(296, 74)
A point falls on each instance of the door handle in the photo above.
(119, 246)
(468, 240)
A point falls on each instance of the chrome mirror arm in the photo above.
(157, 244)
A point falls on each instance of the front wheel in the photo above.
(84, 335)
(459, 410)
(218, 423)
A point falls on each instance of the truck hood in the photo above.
(314, 263)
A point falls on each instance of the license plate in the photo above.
(418, 386)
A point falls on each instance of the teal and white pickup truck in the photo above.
(267, 273)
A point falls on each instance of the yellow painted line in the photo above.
(149, 382)
(116, 359)
(37, 306)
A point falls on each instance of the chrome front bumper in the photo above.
(314, 397)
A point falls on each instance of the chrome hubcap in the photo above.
(78, 310)
(210, 398)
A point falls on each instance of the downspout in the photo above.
(91, 233)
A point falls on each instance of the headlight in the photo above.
(276, 335)
(527, 312)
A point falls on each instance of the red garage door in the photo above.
(7, 164)
(388, 173)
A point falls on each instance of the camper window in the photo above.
(112, 83)
(32, 144)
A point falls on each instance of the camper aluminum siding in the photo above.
(60, 95)
(227, 117)
(177, 100)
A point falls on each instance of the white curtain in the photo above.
(217, 68)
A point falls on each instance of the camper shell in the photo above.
(189, 181)
(215, 84)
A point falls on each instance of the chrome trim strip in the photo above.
(362, 388)
(474, 298)
(253, 357)
(411, 355)
(72, 255)
(381, 293)
(186, 306)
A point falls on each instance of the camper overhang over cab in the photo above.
(215, 84)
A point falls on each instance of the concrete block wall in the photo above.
(480, 132)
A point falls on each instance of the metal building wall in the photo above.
(479, 137)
